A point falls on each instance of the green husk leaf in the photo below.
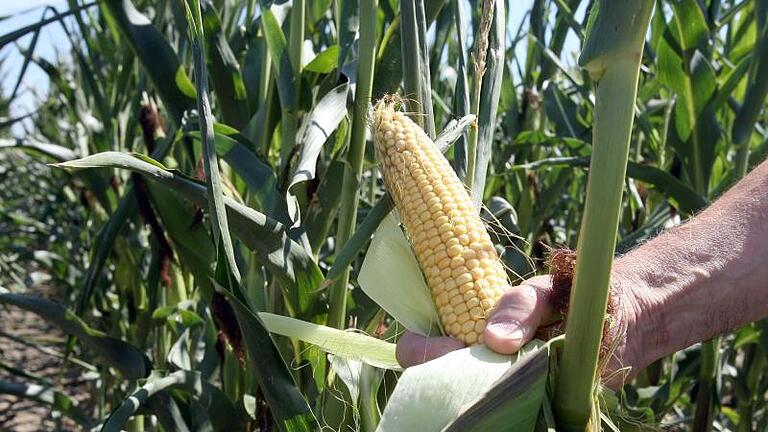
(347, 344)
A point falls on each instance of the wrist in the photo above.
(635, 319)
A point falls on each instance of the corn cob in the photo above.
(451, 244)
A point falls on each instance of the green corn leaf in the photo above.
(226, 78)
(390, 275)
(513, 402)
(325, 62)
(478, 389)
(289, 261)
(126, 358)
(257, 174)
(216, 209)
(57, 400)
(315, 130)
(220, 409)
(284, 398)
(687, 200)
(156, 55)
(53, 151)
(13, 36)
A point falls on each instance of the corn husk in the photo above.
(348, 344)
(431, 396)
(391, 277)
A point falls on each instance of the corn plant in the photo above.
(238, 235)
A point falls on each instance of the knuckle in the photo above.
(520, 298)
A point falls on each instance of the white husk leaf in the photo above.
(347, 344)
(349, 371)
(431, 395)
(390, 275)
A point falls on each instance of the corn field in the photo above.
(208, 207)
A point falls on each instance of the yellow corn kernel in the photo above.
(450, 242)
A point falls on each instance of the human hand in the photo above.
(515, 320)
(524, 312)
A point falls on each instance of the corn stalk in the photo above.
(612, 54)
(354, 170)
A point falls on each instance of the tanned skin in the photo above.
(691, 283)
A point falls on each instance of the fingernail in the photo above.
(510, 330)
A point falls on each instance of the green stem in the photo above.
(416, 73)
(354, 170)
(290, 118)
(216, 210)
(481, 47)
(702, 419)
(741, 161)
(612, 55)
(298, 21)
(754, 362)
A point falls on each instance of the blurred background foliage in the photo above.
(134, 260)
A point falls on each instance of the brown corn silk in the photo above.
(450, 241)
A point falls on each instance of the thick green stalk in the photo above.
(354, 170)
(612, 54)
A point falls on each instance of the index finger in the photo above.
(413, 349)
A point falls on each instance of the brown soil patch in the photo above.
(31, 344)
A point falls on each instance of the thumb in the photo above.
(518, 314)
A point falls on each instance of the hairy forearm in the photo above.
(702, 278)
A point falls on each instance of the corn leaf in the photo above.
(116, 353)
(686, 199)
(220, 409)
(257, 174)
(315, 130)
(23, 31)
(225, 72)
(291, 263)
(513, 402)
(347, 344)
(53, 151)
(57, 400)
(156, 55)
(325, 61)
(284, 398)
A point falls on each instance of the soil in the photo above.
(31, 344)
